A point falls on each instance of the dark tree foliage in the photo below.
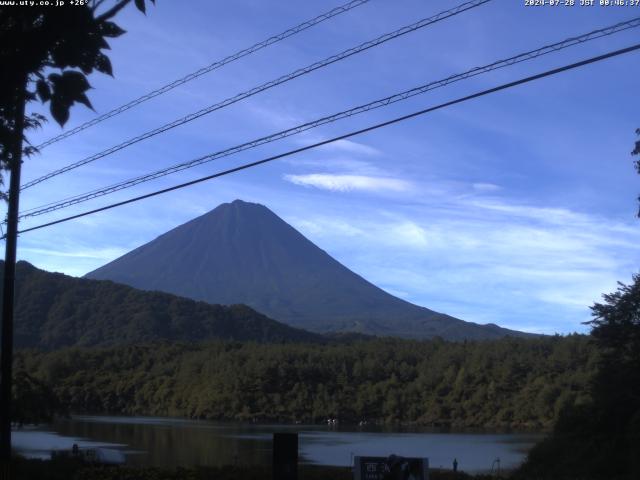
(616, 329)
(33, 400)
(636, 151)
(521, 383)
(55, 48)
(46, 52)
(601, 439)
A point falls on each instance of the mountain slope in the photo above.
(54, 311)
(243, 253)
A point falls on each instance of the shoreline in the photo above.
(373, 426)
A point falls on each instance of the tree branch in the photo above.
(96, 4)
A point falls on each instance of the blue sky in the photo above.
(517, 208)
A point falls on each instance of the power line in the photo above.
(47, 208)
(505, 86)
(214, 66)
(265, 86)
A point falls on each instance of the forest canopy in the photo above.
(521, 383)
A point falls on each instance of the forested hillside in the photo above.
(522, 383)
(56, 311)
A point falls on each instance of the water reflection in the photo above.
(175, 442)
(35, 443)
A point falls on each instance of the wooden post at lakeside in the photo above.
(285, 456)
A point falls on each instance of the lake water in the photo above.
(169, 442)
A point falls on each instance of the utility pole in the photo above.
(6, 357)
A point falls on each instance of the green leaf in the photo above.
(68, 88)
(75, 82)
(54, 77)
(29, 151)
(86, 61)
(83, 99)
(140, 5)
(110, 29)
(102, 43)
(34, 120)
(59, 111)
(103, 64)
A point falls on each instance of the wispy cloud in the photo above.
(347, 183)
(525, 267)
(278, 118)
(485, 187)
(104, 254)
(343, 164)
(350, 146)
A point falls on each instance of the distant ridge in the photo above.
(242, 252)
(53, 311)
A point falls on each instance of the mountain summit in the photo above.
(244, 253)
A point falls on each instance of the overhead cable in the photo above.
(529, 55)
(209, 68)
(505, 86)
(265, 86)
